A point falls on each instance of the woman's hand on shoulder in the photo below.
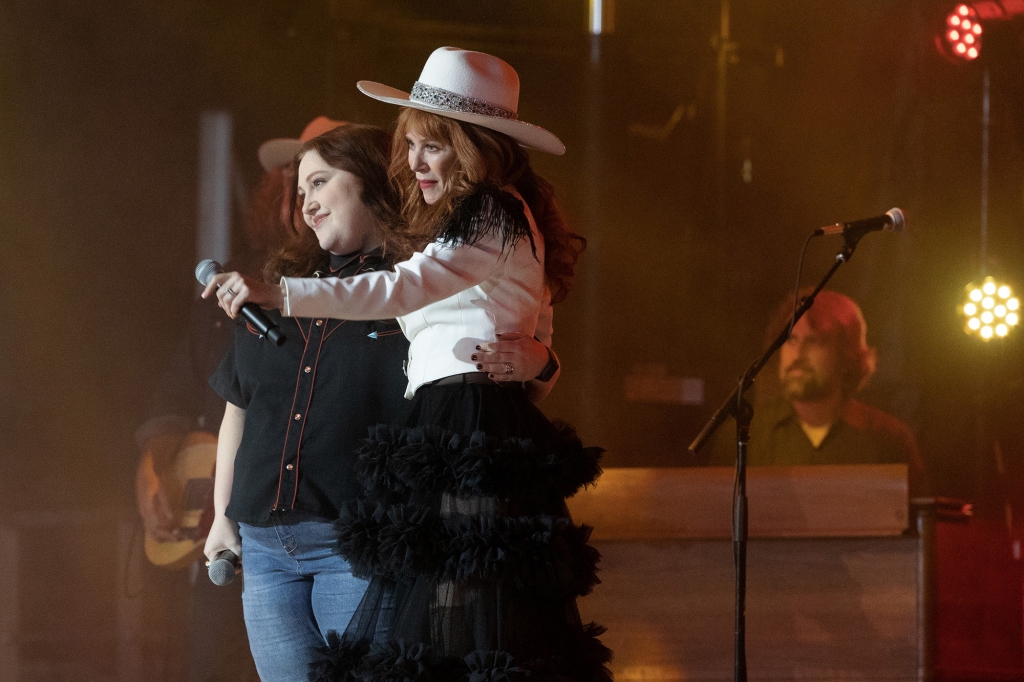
(223, 535)
(233, 290)
(524, 355)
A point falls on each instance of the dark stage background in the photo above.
(836, 110)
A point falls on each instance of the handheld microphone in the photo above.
(892, 220)
(223, 567)
(250, 311)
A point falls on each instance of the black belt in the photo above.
(467, 378)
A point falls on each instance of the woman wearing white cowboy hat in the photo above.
(463, 525)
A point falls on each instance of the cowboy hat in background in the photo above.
(282, 150)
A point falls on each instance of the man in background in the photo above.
(816, 417)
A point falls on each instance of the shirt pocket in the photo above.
(379, 329)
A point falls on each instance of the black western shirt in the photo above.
(308, 404)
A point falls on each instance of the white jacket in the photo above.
(447, 299)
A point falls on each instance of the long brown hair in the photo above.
(481, 156)
(362, 150)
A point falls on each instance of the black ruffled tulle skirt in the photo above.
(475, 564)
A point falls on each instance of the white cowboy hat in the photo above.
(282, 150)
(473, 87)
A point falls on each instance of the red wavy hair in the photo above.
(482, 156)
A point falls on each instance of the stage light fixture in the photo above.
(961, 38)
(990, 309)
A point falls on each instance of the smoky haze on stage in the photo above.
(706, 140)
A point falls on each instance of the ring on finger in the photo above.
(509, 368)
(231, 293)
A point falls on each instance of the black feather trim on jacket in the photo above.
(490, 211)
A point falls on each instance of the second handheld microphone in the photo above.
(223, 568)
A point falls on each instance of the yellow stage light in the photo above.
(990, 309)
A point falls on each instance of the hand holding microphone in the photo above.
(223, 568)
(237, 295)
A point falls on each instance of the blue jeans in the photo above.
(297, 589)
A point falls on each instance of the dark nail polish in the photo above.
(479, 348)
(479, 366)
(472, 357)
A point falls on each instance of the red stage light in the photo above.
(963, 38)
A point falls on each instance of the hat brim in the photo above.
(524, 133)
(278, 152)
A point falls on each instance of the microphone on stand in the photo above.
(250, 311)
(892, 220)
(223, 568)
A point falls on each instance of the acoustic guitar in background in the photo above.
(189, 490)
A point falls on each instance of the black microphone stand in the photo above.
(737, 406)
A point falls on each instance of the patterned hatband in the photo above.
(445, 99)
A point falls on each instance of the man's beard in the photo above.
(808, 386)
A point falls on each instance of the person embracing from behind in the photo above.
(476, 564)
